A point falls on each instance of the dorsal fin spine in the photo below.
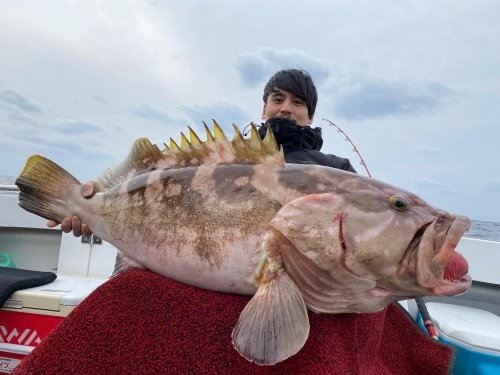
(193, 137)
(239, 144)
(210, 137)
(269, 141)
(218, 133)
(184, 142)
(255, 141)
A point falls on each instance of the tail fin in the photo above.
(45, 188)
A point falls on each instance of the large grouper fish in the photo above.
(232, 216)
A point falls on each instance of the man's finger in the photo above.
(87, 189)
(52, 223)
(77, 226)
(66, 225)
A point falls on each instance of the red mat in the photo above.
(140, 322)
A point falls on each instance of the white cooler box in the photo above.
(29, 315)
(473, 332)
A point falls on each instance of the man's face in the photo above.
(281, 103)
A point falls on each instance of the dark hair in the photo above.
(296, 81)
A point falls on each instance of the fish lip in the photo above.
(434, 251)
(454, 233)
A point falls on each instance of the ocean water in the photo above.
(484, 230)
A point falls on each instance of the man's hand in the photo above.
(73, 223)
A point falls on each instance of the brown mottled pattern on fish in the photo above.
(187, 198)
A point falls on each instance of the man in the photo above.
(290, 99)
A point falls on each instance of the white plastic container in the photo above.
(473, 332)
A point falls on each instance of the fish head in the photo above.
(408, 247)
(376, 243)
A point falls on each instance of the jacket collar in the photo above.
(292, 136)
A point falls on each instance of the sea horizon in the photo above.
(484, 230)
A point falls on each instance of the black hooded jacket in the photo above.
(302, 144)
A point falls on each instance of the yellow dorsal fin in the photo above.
(173, 146)
(217, 149)
(269, 141)
(239, 145)
(193, 137)
(180, 154)
(223, 146)
(210, 137)
(200, 147)
(255, 143)
(184, 142)
(194, 150)
(218, 133)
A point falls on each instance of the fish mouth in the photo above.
(439, 267)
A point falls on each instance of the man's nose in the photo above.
(286, 106)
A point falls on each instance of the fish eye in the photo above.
(399, 202)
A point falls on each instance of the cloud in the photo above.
(378, 98)
(17, 117)
(67, 133)
(19, 101)
(52, 134)
(78, 126)
(225, 114)
(256, 67)
(150, 113)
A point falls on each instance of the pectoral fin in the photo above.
(274, 325)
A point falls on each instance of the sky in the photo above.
(414, 84)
